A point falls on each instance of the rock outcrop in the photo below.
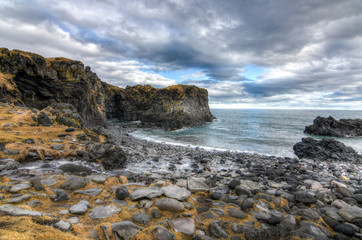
(335, 128)
(40, 82)
(326, 150)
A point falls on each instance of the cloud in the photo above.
(304, 48)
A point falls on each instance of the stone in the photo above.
(19, 199)
(169, 204)
(308, 214)
(217, 231)
(208, 215)
(218, 212)
(63, 226)
(80, 208)
(98, 178)
(73, 220)
(122, 193)
(164, 234)
(242, 190)
(254, 187)
(350, 213)
(37, 184)
(236, 213)
(325, 197)
(121, 203)
(233, 184)
(28, 141)
(184, 225)
(111, 156)
(12, 210)
(346, 229)
(247, 204)
(216, 195)
(358, 198)
(104, 211)
(338, 203)
(57, 146)
(69, 130)
(75, 169)
(18, 187)
(313, 230)
(90, 191)
(176, 192)
(196, 185)
(61, 195)
(34, 203)
(74, 183)
(141, 218)
(305, 197)
(145, 192)
(125, 230)
(156, 214)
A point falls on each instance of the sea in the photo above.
(265, 131)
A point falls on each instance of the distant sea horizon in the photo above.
(265, 131)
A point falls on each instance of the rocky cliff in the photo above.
(335, 128)
(39, 82)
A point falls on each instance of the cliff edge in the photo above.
(40, 82)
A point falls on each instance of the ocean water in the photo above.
(264, 131)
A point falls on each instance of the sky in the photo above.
(246, 53)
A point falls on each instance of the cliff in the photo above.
(335, 128)
(40, 82)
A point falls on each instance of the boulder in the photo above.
(125, 230)
(334, 128)
(104, 211)
(74, 183)
(111, 156)
(169, 204)
(197, 185)
(325, 150)
(176, 192)
(145, 192)
(184, 225)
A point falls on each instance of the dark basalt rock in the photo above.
(325, 150)
(111, 156)
(40, 82)
(332, 127)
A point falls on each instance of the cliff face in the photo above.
(40, 82)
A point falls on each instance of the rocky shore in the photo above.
(174, 192)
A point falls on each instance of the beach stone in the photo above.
(197, 185)
(308, 214)
(338, 184)
(61, 195)
(156, 214)
(145, 192)
(90, 192)
(75, 169)
(176, 192)
(63, 226)
(217, 231)
(69, 130)
(184, 225)
(313, 230)
(233, 184)
(216, 195)
(57, 146)
(242, 190)
(164, 234)
(79, 208)
(73, 220)
(350, 213)
(122, 193)
(18, 187)
(331, 212)
(98, 178)
(209, 215)
(338, 203)
(141, 218)
(247, 204)
(37, 184)
(12, 210)
(169, 204)
(34, 203)
(121, 203)
(104, 211)
(325, 197)
(274, 220)
(344, 191)
(358, 198)
(254, 187)
(125, 230)
(346, 229)
(305, 197)
(74, 183)
(19, 199)
(236, 213)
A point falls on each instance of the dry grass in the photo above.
(7, 83)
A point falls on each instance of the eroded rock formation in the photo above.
(335, 128)
(40, 82)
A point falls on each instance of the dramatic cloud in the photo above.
(250, 53)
